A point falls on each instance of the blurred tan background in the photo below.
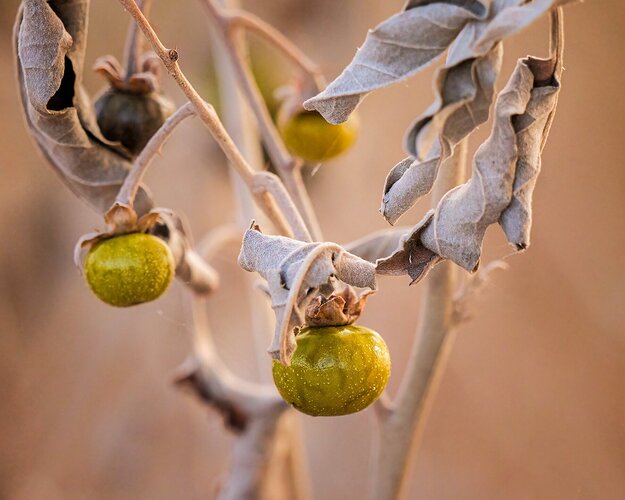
(532, 404)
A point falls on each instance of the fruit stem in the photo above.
(402, 421)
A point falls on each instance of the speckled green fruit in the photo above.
(336, 370)
(308, 136)
(129, 269)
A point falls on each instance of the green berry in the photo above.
(336, 370)
(310, 137)
(129, 269)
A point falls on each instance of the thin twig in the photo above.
(209, 117)
(556, 50)
(288, 167)
(280, 42)
(402, 423)
(556, 38)
(134, 43)
(128, 191)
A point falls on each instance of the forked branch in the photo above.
(252, 411)
(284, 222)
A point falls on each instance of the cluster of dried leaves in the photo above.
(50, 43)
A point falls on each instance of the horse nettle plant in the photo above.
(317, 289)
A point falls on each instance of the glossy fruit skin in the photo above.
(310, 137)
(131, 118)
(336, 370)
(129, 269)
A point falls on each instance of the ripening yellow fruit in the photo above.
(129, 269)
(336, 370)
(310, 137)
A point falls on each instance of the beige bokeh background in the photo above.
(532, 403)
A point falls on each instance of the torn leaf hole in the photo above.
(64, 96)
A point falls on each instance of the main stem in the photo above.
(285, 475)
(401, 425)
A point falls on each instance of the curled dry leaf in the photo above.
(462, 216)
(394, 50)
(464, 88)
(504, 173)
(294, 271)
(50, 40)
(411, 258)
(532, 128)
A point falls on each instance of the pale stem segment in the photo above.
(401, 422)
(209, 117)
(289, 168)
(285, 476)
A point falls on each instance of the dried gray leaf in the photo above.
(504, 173)
(396, 49)
(50, 40)
(462, 216)
(294, 271)
(532, 128)
(465, 94)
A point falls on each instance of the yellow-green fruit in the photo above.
(129, 269)
(308, 136)
(336, 370)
